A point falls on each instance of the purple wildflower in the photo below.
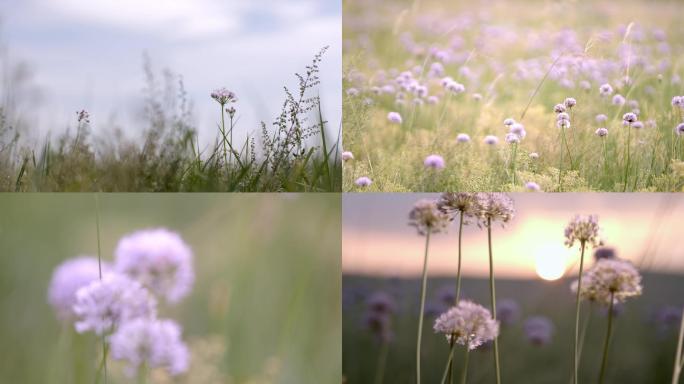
(67, 279)
(601, 132)
(538, 330)
(434, 162)
(463, 138)
(223, 96)
(394, 117)
(363, 181)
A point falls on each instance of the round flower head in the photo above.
(223, 96)
(637, 125)
(468, 324)
(494, 206)
(394, 117)
(346, 156)
(678, 101)
(512, 138)
(519, 130)
(618, 100)
(559, 108)
(563, 124)
(363, 181)
(601, 132)
(679, 129)
(584, 229)
(532, 186)
(105, 304)
(610, 277)
(507, 311)
(538, 330)
(454, 203)
(159, 259)
(352, 92)
(534, 155)
(563, 116)
(605, 90)
(434, 162)
(152, 343)
(68, 278)
(491, 140)
(427, 217)
(570, 102)
(454, 87)
(600, 118)
(629, 117)
(509, 121)
(463, 138)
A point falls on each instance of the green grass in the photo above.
(639, 354)
(392, 155)
(265, 307)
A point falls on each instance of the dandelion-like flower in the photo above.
(679, 129)
(159, 259)
(507, 311)
(491, 140)
(584, 229)
(601, 132)
(67, 279)
(83, 116)
(605, 90)
(463, 203)
(608, 278)
(152, 343)
(494, 206)
(105, 304)
(509, 121)
(463, 138)
(346, 156)
(619, 100)
(678, 101)
(223, 96)
(570, 102)
(394, 117)
(538, 330)
(454, 87)
(434, 162)
(427, 217)
(629, 117)
(600, 118)
(363, 181)
(637, 125)
(559, 108)
(519, 130)
(532, 186)
(468, 324)
(512, 138)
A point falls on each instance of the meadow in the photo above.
(513, 96)
(261, 263)
(296, 151)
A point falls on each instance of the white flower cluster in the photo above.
(469, 324)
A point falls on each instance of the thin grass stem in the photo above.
(575, 356)
(492, 290)
(422, 306)
(606, 343)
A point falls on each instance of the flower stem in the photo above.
(223, 134)
(458, 273)
(629, 138)
(560, 164)
(513, 161)
(606, 344)
(422, 306)
(382, 360)
(103, 364)
(678, 357)
(450, 375)
(465, 367)
(577, 316)
(492, 290)
(447, 369)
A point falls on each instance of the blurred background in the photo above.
(382, 263)
(265, 307)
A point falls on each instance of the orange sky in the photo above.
(644, 228)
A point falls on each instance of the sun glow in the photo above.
(550, 262)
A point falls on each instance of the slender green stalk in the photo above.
(606, 343)
(629, 138)
(465, 366)
(382, 361)
(450, 367)
(103, 364)
(560, 164)
(575, 356)
(458, 272)
(678, 357)
(493, 299)
(447, 369)
(605, 158)
(583, 335)
(444, 109)
(422, 305)
(514, 156)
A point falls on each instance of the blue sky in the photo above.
(89, 54)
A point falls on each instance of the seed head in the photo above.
(427, 217)
(467, 324)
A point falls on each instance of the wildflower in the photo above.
(563, 124)
(679, 129)
(532, 186)
(352, 92)
(519, 130)
(618, 100)
(509, 121)
(562, 116)
(455, 87)
(152, 343)
(346, 156)
(678, 101)
(512, 138)
(601, 132)
(467, 324)
(491, 140)
(223, 96)
(637, 125)
(584, 229)
(494, 206)
(570, 102)
(605, 90)
(83, 116)
(434, 162)
(538, 330)
(363, 181)
(600, 118)
(508, 311)
(629, 117)
(604, 253)
(427, 217)
(559, 108)
(432, 100)
(394, 117)
(159, 259)
(68, 278)
(105, 304)
(534, 155)
(458, 202)
(463, 138)
(381, 302)
(608, 278)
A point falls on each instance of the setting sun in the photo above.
(550, 263)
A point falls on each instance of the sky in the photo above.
(87, 54)
(644, 228)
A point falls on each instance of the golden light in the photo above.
(550, 262)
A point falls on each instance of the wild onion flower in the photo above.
(67, 279)
(494, 206)
(637, 125)
(538, 330)
(346, 156)
(512, 138)
(508, 311)
(610, 279)
(458, 203)
(678, 101)
(105, 304)
(605, 90)
(600, 118)
(570, 102)
(150, 343)
(159, 259)
(463, 138)
(559, 108)
(454, 87)
(618, 100)
(83, 116)
(509, 121)
(563, 124)
(601, 132)
(363, 181)
(394, 117)
(584, 229)
(518, 130)
(679, 129)
(468, 324)
(491, 140)
(223, 96)
(604, 253)
(532, 186)
(427, 217)
(434, 162)
(629, 117)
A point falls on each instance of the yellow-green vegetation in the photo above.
(450, 69)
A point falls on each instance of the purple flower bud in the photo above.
(601, 132)
(394, 117)
(532, 186)
(463, 138)
(363, 181)
(434, 162)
